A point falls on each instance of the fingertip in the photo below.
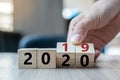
(76, 39)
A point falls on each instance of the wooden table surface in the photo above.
(106, 68)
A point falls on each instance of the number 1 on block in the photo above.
(65, 46)
(65, 55)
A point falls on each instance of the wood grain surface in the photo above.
(106, 68)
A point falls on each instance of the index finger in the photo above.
(72, 25)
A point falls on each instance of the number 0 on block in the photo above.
(85, 55)
(46, 58)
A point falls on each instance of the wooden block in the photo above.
(27, 58)
(65, 55)
(46, 58)
(85, 55)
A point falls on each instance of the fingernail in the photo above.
(76, 39)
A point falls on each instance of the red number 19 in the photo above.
(85, 47)
(65, 46)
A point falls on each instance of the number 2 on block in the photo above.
(85, 47)
(65, 46)
(27, 60)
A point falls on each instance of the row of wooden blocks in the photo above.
(65, 56)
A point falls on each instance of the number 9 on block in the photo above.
(85, 55)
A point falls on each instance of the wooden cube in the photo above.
(27, 58)
(85, 55)
(46, 58)
(65, 55)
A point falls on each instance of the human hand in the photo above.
(98, 25)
